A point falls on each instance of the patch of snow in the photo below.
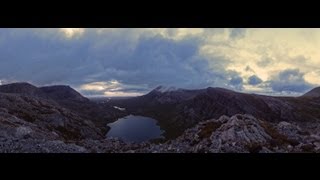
(166, 89)
(119, 108)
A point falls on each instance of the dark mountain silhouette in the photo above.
(313, 93)
(62, 93)
(22, 88)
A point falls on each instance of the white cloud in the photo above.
(110, 88)
(72, 32)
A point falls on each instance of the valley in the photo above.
(59, 119)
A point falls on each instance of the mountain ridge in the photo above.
(66, 97)
(179, 110)
(54, 92)
(206, 120)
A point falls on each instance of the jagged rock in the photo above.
(242, 133)
(56, 120)
(288, 129)
(317, 146)
(22, 132)
(239, 134)
(265, 150)
(3, 110)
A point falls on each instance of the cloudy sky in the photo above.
(129, 62)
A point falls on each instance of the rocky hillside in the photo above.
(240, 133)
(65, 97)
(180, 109)
(48, 119)
(48, 115)
(59, 119)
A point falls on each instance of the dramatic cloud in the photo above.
(238, 33)
(290, 80)
(254, 80)
(236, 82)
(133, 61)
(111, 88)
(80, 58)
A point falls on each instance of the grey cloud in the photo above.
(236, 82)
(254, 80)
(237, 33)
(45, 57)
(299, 59)
(265, 61)
(249, 69)
(290, 80)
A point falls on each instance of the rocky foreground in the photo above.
(242, 134)
(236, 134)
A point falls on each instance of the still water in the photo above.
(135, 129)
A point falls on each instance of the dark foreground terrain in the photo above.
(59, 119)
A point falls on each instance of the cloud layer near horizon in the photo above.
(120, 62)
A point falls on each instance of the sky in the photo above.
(131, 62)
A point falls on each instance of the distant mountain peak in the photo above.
(57, 92)
(20, 88)
(63, 92)
(19, 84)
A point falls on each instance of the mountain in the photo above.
(68, 98)
(45, 115)
(62, 93)
(177, 110)
(22, 88)
(313, 93)
(50, 119)
(58, 92)
(59, 119)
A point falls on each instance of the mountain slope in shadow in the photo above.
(179, 109)
(65, 97)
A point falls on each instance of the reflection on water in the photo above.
(135, 129)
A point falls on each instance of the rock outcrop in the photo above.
(240, 134)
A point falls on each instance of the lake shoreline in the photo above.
(135, 128)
